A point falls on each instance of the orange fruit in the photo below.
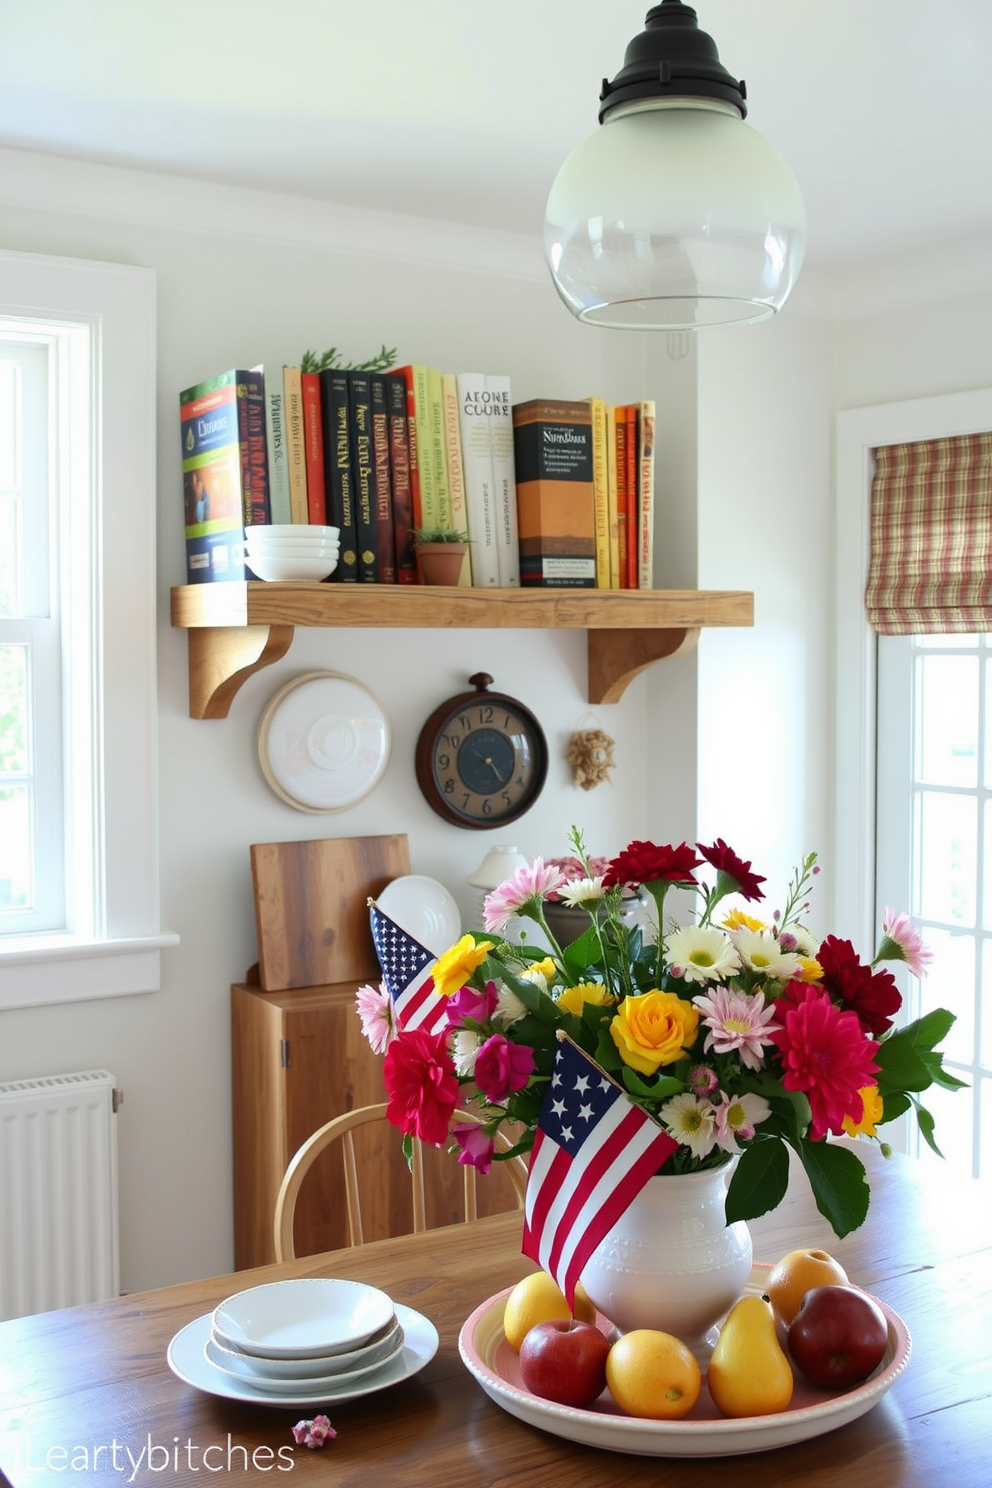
(653, 1374)
(539, 1299)
(792, 1277)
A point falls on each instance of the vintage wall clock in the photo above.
(482, 758)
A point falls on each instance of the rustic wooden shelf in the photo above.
(236, 629)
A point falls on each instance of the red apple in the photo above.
(838, 1336)
(565, 1361)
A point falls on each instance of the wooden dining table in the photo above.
(77, 1382)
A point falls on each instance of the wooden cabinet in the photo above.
(299, 1057)
(236, 629)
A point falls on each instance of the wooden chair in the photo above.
(340, 1128)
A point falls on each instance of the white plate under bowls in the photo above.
(424, 909)
(238, 1367)
(253, 1366)
(302, 1319)
(188, 1361)
(323, 742)
(293, 529)
(704, 1432)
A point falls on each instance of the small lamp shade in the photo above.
(675, 213)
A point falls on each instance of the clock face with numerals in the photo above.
(482, 758)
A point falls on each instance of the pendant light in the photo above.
(675, 214)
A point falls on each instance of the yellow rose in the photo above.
(872, 1110)
(573, 999)
(453, 969)
(738, 920)
(653, 1029)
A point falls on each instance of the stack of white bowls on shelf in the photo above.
(297, 1339)
(289, 551)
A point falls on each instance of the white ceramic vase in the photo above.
(671, 1261)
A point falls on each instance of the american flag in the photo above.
(593, 1153)
(406, 971)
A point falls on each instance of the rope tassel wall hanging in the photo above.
(590, 754)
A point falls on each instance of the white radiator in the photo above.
(58, 1192)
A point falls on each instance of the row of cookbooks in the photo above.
(551, 493)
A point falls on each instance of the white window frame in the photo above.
(859, 432)
(113, 939)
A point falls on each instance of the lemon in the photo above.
(653, 1374)
(793, 1276)
(539, 1299)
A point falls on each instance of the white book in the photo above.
(505, 479)
(275, 447)
(477, 463)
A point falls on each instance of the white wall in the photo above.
(245, 278)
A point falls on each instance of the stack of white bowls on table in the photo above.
(298, 1338)
(289, 552)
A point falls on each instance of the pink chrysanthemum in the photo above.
(901, 941)
(476, 1147)
(826, 1054)
(520, 893)
(737, 1022)
(375, 1008)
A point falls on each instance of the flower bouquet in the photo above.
(739, 1035)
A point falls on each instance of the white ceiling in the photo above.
(464, 109)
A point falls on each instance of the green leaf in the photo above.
(894, 1105)
(926, 1125)
(759, 1182)
(900, 1066)
(656, 1089)
(928, 1031)
(839, 1183)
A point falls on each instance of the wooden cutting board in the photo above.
(310, 907)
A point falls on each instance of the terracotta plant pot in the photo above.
(441, 563)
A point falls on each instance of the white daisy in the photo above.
(701, 954)
(464, 1047)
(582, 891)
(509, 1008)
(759, 950)
(692, 1122)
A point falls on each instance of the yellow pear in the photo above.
(749, 1374)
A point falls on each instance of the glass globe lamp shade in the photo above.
(674, 214)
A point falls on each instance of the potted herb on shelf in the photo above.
(440, 553)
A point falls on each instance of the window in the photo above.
(934, 856)
(858, 740)
(78, 780)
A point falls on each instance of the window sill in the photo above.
(41, 970)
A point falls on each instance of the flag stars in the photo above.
(558, 1107)
(585, 1112)
(582, 1084)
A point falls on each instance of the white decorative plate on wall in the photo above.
(424, 909)
(323, 742)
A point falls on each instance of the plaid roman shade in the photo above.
(931, 537)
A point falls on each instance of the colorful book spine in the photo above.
(313, 436)
(477, 459)
(505, 481)
(430, 511)
(630, 414)
(401, 478)
(222, 425)
(438, 451)
(360, 401)
(382, 481)
(611, 477)
(555, 500)
(416, 495)
(645, 467)
(455, 466)
(601, 491)
(275, 448)
(296, 444)
(621, 458)
(338, 473)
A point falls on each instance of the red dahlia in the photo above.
(873, 995)
(421, 1085)
(725, 860)
(643, 862)
(824, 1053)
